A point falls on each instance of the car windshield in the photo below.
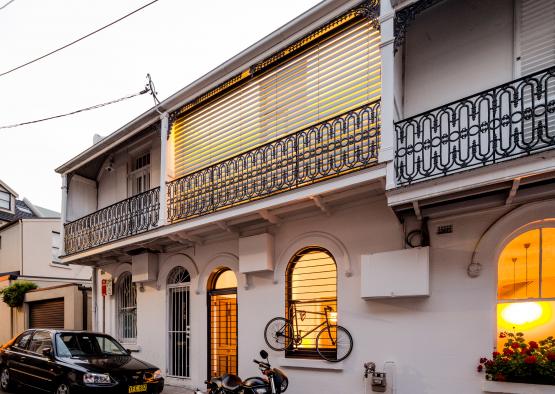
(81, 344)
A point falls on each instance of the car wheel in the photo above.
(5, 380)
(62, 388)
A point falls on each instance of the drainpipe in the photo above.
(94, 303)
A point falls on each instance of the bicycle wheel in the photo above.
(277, 333)
(334, 352)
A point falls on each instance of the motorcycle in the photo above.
(273, 382)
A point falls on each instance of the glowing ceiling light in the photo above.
(522, 313)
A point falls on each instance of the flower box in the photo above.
(489, 386)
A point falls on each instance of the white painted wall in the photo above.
(434, 341)
(81, 197)
(457, 48)
(37, 252)
(10, 248)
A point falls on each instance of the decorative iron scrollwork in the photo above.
(511, 120)
(132, 216)
(343, 144)
(406, 16)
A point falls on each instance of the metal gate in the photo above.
(178, 322)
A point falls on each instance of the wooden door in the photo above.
(223, 332)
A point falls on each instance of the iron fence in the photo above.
(511, 120)
(131, 216)
(336, 146)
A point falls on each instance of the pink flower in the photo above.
(480, 368)
(483, 360)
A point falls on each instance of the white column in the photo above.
(163, 169)
(387, 46)
(63, 215)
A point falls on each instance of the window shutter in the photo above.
(340, 73)
(537, 35)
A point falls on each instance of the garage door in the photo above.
(47, 314)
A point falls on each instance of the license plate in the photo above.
(139, 388)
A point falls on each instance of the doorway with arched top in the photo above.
(222, 322)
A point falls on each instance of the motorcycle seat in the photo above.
(231, 382)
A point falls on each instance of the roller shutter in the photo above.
(338, 74)
(537, 35)
(47, 314)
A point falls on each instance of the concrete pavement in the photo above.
(176, 390)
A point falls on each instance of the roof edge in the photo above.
(285, 35)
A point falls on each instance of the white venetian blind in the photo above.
(537, 35)
(339, 74)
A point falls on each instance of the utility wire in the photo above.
(7, 4)
(77, 111)
(76, 41)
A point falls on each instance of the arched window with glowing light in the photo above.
(526, 285)
(311, 294)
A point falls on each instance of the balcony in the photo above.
(513, 120)
(123, 219)
(337, 146)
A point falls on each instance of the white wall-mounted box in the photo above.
(398, 273)
(256, 253)
(144, 267)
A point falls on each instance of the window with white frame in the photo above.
(5, 200)
(126, 308)
(526, 285)
(56, 246)
(139, 176)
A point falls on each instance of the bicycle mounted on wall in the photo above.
(334, 343)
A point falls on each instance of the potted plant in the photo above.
(521, 361)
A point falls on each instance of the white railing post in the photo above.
(387, 53)
(164, 132)
(63, 218)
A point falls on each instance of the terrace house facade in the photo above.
(388, 165)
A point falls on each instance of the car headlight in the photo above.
(96, 378)
(157, 374)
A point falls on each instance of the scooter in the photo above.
(274, 382)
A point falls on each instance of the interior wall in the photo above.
(455, 49)
(81, 198)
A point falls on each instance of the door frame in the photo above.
(209, 294)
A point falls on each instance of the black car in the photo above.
(63, 362)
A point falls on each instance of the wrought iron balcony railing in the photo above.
(512, 120)
(336, 146)
(132, 216)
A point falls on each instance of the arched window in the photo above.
(526, 285)
(126, 308)
(311, 293)
(178, 285)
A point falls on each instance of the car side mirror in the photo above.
(264, 354)
(128, 351)
(47, 352)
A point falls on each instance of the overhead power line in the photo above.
(75, 41)
(146, 90)
(7, 4)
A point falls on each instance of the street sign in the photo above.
(106, 287)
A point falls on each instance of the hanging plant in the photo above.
(14, 295)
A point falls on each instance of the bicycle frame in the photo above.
(297, 336)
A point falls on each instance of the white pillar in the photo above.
(63, 215)
(163, 169)
(387, 46)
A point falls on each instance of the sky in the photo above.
(176, 41)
